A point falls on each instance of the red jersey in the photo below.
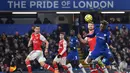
(37, 40)
(62, 48)
(94, 69)
(91, 41)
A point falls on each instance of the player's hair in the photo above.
(36, 26)
(104, 22)
(62, 33)
(91, 22)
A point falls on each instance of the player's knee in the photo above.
(85, 62)
(42, 63)
(26, 60)
(88, 61)
(54, 62)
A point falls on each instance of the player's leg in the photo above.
(101, 64)
(41, 59)
(63, 63)
(70, 61)
(31, 56)
(55, 61)
(85, 61)
(82, 68)
(76, 58)
(108, 58)
(93, 55)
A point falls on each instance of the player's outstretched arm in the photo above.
(81, 39)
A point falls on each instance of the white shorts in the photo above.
(36, 54)
(61, 60)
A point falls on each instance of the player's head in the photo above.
(62, 34)
(91, 26)
(103, 24)
(72, 32)
(37, 29)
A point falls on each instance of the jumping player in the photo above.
(102, 43)
(62, 54)
(92, 42)
(37, 53)
(73, 56)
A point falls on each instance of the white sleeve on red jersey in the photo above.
(42, 38)
(64, 48)
(86, 39)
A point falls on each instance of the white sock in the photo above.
(82, 68)
(105, 70)
(70, 68)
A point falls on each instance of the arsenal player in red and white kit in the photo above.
(37, 39)
(91, 42)
(62, 54)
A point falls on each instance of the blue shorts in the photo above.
(73, 55)
(106, 61)
(99, 52)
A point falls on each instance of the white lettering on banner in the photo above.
(44, 4)
(10, 4)
(74, 5)
(49, 4)
(23, 4)
(93, 4)
(32, 4)
(17, 4)
(65, 4)
(89, 4)
(103, 4)
(56, 4)
(39, 4)
(81, 4)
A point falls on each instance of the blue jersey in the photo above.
(102, 39)
(73, 54)
(102, 42)
(73, 42)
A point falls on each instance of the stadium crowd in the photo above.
(13, 48)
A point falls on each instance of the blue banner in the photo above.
(22, 29)
(78, 5)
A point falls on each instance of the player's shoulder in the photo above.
(64, 41)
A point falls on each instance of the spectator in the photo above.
(9, 21)
(116, 31)
(37, 21)
(46, 21)
(109, 28)
(31, 31)
(124, 31)
(1, 21)
(16, 36)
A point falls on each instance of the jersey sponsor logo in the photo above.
(101, 37)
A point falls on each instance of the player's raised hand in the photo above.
(79, 36)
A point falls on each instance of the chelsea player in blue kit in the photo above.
(102, 44)
(73, 56)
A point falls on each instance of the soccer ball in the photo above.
(88, 18)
